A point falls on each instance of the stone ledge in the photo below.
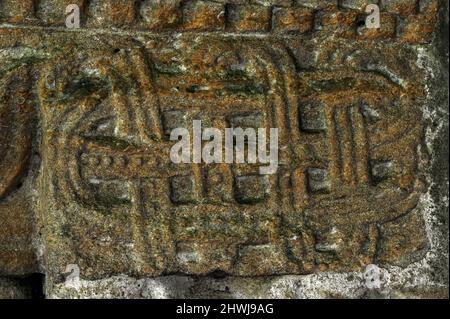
(404, 20)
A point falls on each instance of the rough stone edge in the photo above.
(427, 278)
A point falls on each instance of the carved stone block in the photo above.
(86, 179)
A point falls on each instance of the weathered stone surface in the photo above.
(86, 177)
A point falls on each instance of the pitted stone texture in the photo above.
(18, 130)
(204, 15)
(403, 20)
(89, 114)
(113, 186)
